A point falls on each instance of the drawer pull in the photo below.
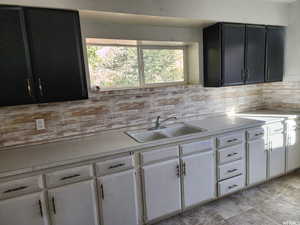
(278, 131)
(231, 171)
(70, 177)
(232, 154)
(15, 189)
(232, 140)
(116, 166)
(258, 134)
(233, 186)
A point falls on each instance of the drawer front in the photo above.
(20, 187)
(231, 153)
(231, 185)
(114, 165)
(230, 139)
(276, 128)
(159, 155)
(69, 175)
(255, 133)
(196, 147)
(231, 169)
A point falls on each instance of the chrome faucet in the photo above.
(158, 122)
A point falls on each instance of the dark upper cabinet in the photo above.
(233, 51)
(275, 53)
(255, 54)
(235, 54)
(56, 54)
(15, 68)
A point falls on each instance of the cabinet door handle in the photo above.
(116, 166)
(232, 186)
(232, 140)
(70, 177)
(41, 208)
(258, 134)
(231, 171)
(242, 74)
(15, 189)
(40, 86)
(29, 89)
(53, 205)
(232, 154)
(183, 169)
(102, 191)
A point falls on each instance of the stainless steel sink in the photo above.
(176, 130)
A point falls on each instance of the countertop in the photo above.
(270, 115)
(19, 160)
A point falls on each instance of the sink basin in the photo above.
(177, 130)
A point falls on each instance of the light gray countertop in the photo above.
(270, 115)
(36, 157)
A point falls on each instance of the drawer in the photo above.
(231, 169)
(198, 146)
(231, 153)
(20, 187)
(69, 175)
(231, 185)
(276, 128)
(254, 133)
(159, 154)
(114, 165)
(230, 139)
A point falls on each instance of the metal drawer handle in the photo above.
(116, 166)
(232, 186)
(277, 131)
(258, 134)
(15, 189)
(231, 171)
(232, 140)
(232, 154)
(70, 177)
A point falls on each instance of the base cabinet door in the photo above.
(162, 194)
(199, 178)
(24, 210)
(74, 204)
(293, 149)
(119, 199)
(276, 155)
(257, 161)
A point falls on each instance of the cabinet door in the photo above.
(162, 189)
(276, 155)
(15, 68)
(257, 161)
(233, 54)
(56, 50)
(74, 204)
(293, 149)
(24, 210)
(119, 199)
(255, 54)
(199, 180)
(275, 54)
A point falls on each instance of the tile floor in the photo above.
(276, 202)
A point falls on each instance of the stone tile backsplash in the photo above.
(133, 108)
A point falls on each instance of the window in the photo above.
(125, 64)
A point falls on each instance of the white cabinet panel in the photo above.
(199, 180)
(74, 204)
(257, 161)
(119, 199)
(231, 169)
(162, 189)
(293, 149)
(24, 210)
(276, 155)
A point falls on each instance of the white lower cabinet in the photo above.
(257, 161)
(73, 204)
(24, 210)
(199, 178)
(118, 195)
(161, 189)
(276, 155)
(293, 149)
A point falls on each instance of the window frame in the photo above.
(140, 62)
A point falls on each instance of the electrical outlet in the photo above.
(40, 124)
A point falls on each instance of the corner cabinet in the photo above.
(41, 56)
(237, 54)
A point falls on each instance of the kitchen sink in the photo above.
(176, 130)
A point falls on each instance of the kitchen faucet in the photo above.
(158, 122)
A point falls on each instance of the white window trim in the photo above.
(140, 62)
